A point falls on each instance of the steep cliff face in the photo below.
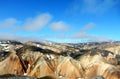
(42, 67)
(103, 69)
(70, 68)
(61, 67)
(97, 65)
(11, 65)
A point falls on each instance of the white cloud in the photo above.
(28, 25)
(8, 23)
(31, 24)
(88, 26)
(7, 36)
(10, 36)
(84, 36)
(97, 6)
(59, 26)
(81, 35)
(89, 38)
(38, 22)
(93, 6)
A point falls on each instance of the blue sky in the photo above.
(60, 20)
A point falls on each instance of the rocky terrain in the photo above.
(50, 60)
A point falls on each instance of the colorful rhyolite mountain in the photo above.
(47, 60)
